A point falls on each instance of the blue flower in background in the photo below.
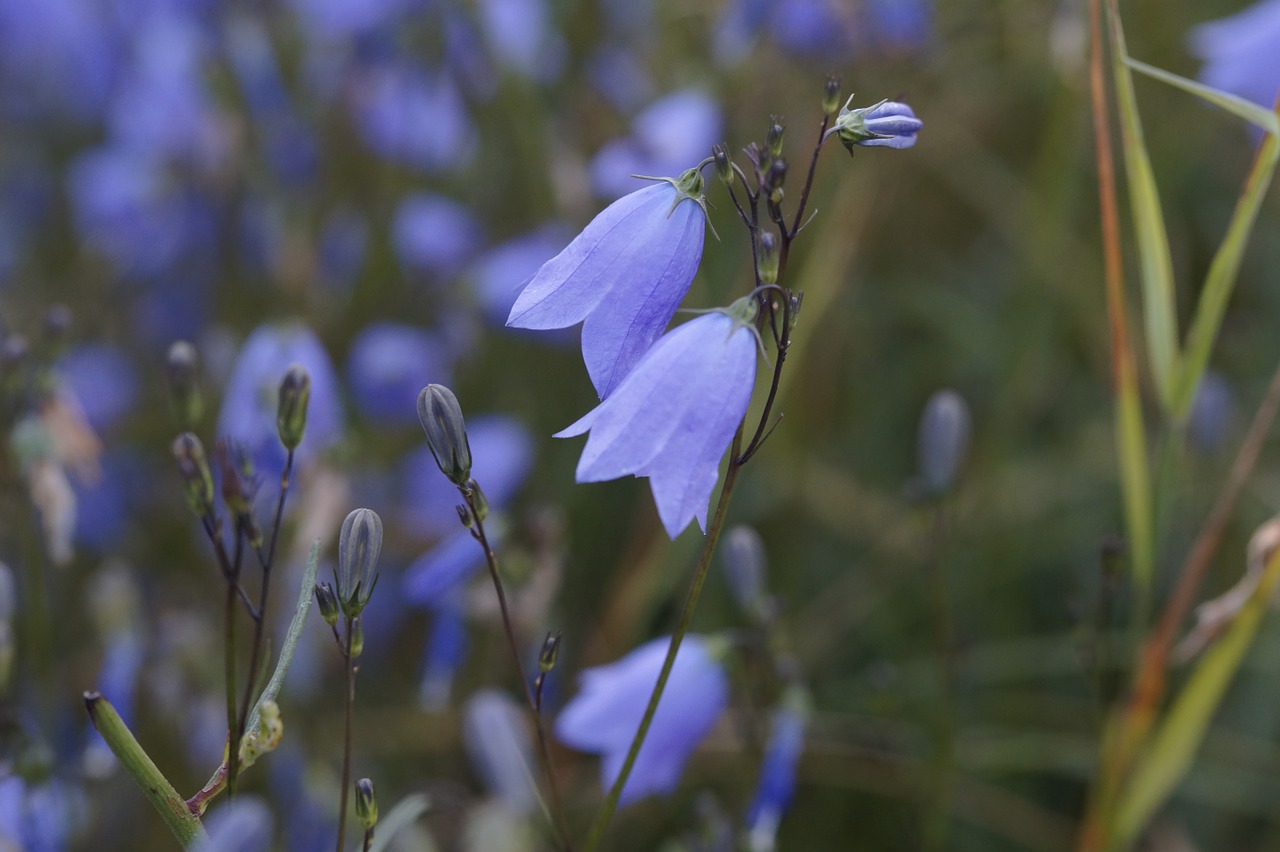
(778, 774)
(520, 37)
(410, 116)
(823, 28)
(1241, 53)
(329, 20)
(446, 650)
(343, 242)
(242, 825)
(103, 381)
(434, 234)
(57, 57)
(248, 415)
(388, 365)
(625, 274)
(673, 417)
(432, 577)
(497, 741)
(603, 717)
(665, 136)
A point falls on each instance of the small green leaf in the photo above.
(305, 596)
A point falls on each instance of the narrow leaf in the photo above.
(1248, 110)
(403, 814)
(305, 596)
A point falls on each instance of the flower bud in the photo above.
(441, 418)
(478, 500)
(774, 179)
(549, 653)
(743, 560)
(943, 440)
(366, 804)
(768, 260)
(773, 138)
(355, 641)
(328, 603)
(183, 367)
(194, 468)
(888, 124)
(794, 305)
(464, 515)
(724, 167)
(831, 96)
(359, 545)
(291, 414)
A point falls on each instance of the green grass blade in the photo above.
(1174, 745)
(1248, 110)
(406, 811)
(305, 596)
(1158, 298)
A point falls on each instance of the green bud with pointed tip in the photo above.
(366, 803)
(441, 419)
(359, 545)
(328, 603)
(194, 468)
(768, 260)
(773, 138)
(357, 637)
(550, 653)
(724, 168)
(478, 500)
(831, 96)
(291, 414)
(182, 365)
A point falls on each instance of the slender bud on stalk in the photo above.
(183, 367)
(768, 260)
(194, 468)
(478, 500)
(359, 546)
(291, 415)
(831, 96)
(464, 515)
(777, 174)
(441, 418)
(743, 559)
(797, 300)
(550, 653)
(724, 167)
(328, 603)
(773, 138)
(366, 803)
(357, 637)
(943, 440)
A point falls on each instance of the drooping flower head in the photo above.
(604, 715)
(888, 124)
(673, 416)
(622, 277)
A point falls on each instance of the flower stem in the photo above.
(229, 666)
(350, 700)
(944, 765)
(677, 637)
(544, 746)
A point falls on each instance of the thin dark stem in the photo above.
(350, 699)
(808, 181)
(229, 664)
(677, 637)
(368, 839)
(544, 746)
(936, 826)
(780, 357)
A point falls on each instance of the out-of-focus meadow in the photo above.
(363, 185)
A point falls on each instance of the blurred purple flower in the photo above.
(665, 137)
(1212, 413)
(619, 76)
(887, 124)
(240, 825)
(434, 234)
(430, 578)
(1241, 53)
(825, 28)
(497, 741)
(501, 454)
(102, 380)
(446, 650)
(606, 712)
(56, 57)
(673, 416)
(625, 274)
(337, 19)
(942, 440)
(500, 273)
(520, 37)
(410, 116)
(249, 403)
(38, 817)
(388, 365)
(778, 774)
(344, 238)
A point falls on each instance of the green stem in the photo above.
(229, 666)
(686, 616)
(939, 815)
(184, 824)
(346, 737)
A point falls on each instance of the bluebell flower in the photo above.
(103, 381)
(521, 38)
(446, 650)
(499, 275)
(674, 415)
(622, 277)
(888, 124)
(330, 20)
(1241, 53)
(430, 578)
(344, 239)
(389, 363)
(411, 116)
(434, 234)
(248, 415)
(603, 717)
(1213, 410)
(777, 782)
(618, 75)
(942, 440)
(57, 58)
(497, 741)
(241, 825)
(674, 130)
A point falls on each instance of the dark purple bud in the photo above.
(366, 804)
(743, 560)
(943, 440)
(359, 545)
(291, 414)
(441, 419)
(328, 603)
(194, 468)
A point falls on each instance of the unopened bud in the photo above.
(550, 653)
(441, 419)
(743, 560)
(464, 515)
(291, 414)
(794, 305)
(478, 500)
(194, 468)
(777, 174)
(366, 804)
(773, 138)
(768, 261)
(943, 440)
(724, 167)
(831, 96)
(355, 641)
(328, 603)
(183, 368)
(359, 545)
